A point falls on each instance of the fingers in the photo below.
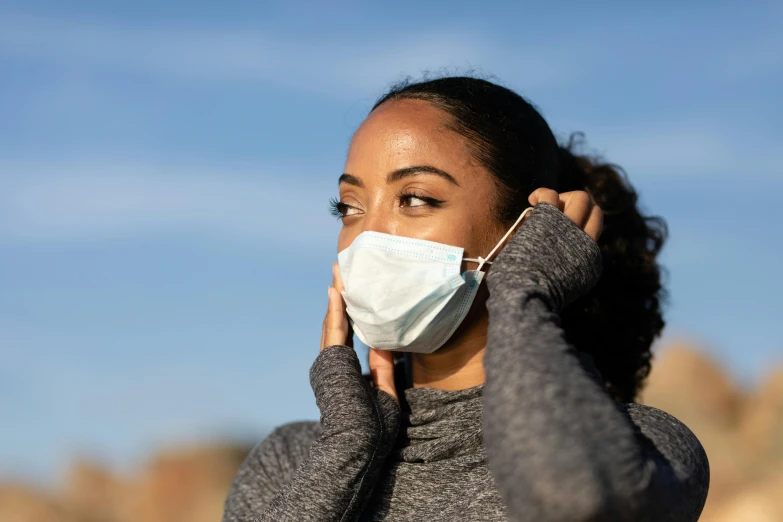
(577, 205)
(546, 195)
(382, 371)
(595, 223)
(336, 281)
(323, 331)
(335, 329)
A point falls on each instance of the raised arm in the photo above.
(559, 447)
(358, 428)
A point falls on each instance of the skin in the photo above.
(376, 195)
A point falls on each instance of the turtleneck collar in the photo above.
(440, 424)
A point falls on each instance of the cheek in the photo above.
(479, 240)
(454, 227)
(472, 226)
(345, 238)
(480, 234)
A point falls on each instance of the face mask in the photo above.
(408, 294)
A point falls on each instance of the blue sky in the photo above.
(165, 169)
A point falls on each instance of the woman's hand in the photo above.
(358, 430)
(577, 205)
(555, 249)
(336, 330)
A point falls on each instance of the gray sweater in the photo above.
(540, 441)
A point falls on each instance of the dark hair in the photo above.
(617, 321)
(508, 135)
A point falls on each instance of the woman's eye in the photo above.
(340, 210)
(411, 200)
(414, 201)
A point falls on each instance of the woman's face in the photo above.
(407, 174)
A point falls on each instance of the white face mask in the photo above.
(407, 294)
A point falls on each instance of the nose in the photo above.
(375, 220)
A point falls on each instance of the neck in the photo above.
(458, 364)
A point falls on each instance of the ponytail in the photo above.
(618, 320)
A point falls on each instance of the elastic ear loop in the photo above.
(481, 260)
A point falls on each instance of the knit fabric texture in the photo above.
(541, 440)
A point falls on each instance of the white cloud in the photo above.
(342, 68)
(92, 201)
(155, 49)
(685, 149)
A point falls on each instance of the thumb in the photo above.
(382, 371)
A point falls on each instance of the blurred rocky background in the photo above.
(741, 430)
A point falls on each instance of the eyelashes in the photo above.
(428, 201)
(337, 208)
(341, 210)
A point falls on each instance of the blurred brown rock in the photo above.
(689, 385)
(20, 503)
(91, 492)
(762, 427)
(185, 485)
(759, 501)
(685, 381)
(742, 432)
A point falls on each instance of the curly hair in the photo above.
(618, 320)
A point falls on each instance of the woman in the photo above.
(514, 399)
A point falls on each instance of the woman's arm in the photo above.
(358, 428)
(559, 447)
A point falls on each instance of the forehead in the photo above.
(401, 133)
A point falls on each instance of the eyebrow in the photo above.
(399, 174)
(351, 180)
(417, 170)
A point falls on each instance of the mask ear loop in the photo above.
(481, 260)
